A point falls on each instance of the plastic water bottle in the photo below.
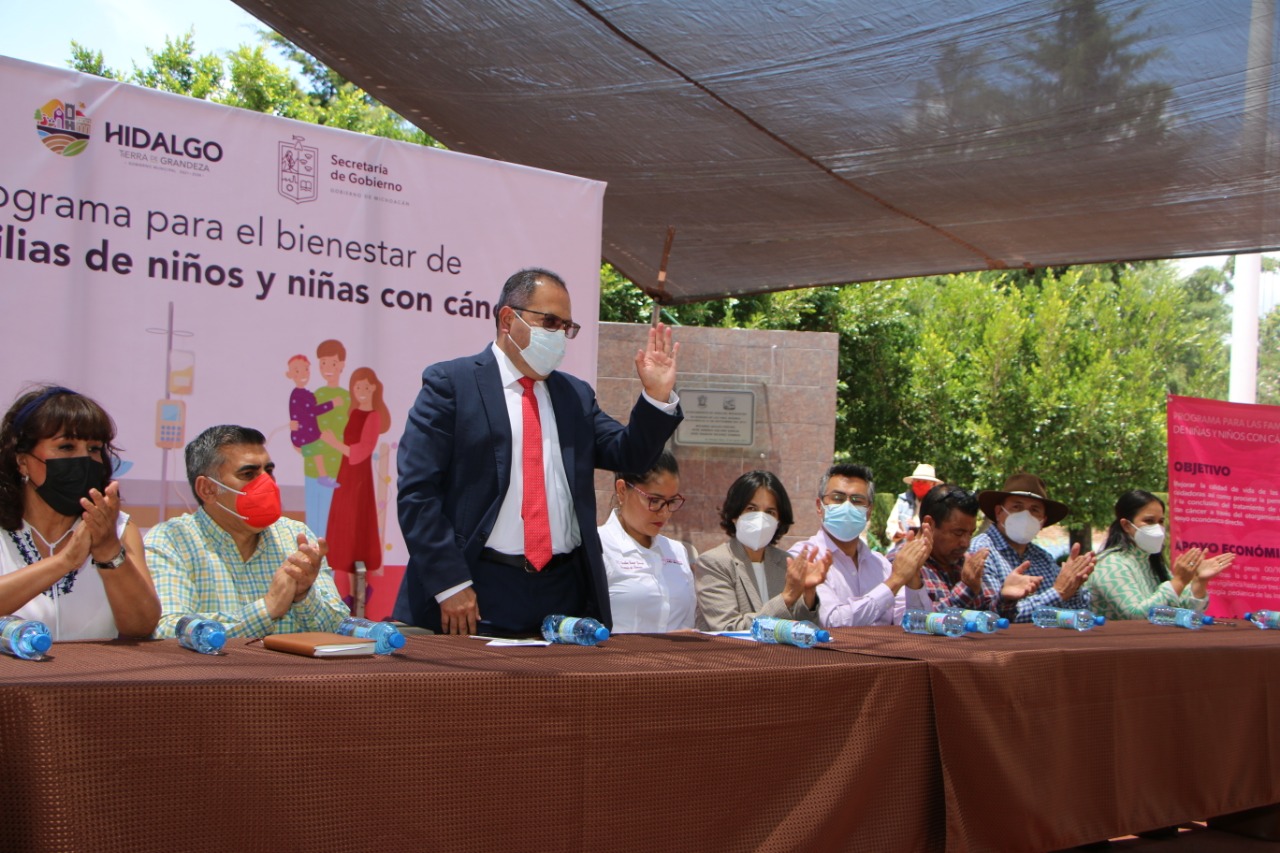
(1053, 617)
(201, 635)
(1265, 618)
(943, 623)
(574, 630)
(791, 632)
(985, 621)
(388, 636)
(1183, 617)
(24, 638)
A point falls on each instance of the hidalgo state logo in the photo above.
(297, 171)
(63, 127)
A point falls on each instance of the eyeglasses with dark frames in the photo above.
(552, 323)
(657, 503)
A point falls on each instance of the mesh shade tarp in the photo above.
(802, 143)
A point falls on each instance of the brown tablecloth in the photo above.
(680, 742)
(1051, 738)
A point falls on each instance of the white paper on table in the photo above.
(509, 641)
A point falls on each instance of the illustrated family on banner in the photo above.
(337, 431)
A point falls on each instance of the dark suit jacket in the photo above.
(455, 465)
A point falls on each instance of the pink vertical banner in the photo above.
(1224, 496)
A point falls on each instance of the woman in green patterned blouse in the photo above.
(1131, 577)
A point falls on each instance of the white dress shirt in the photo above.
(650, 589)
(508, 530)
(507, 536)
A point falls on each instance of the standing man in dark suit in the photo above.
(497, 491)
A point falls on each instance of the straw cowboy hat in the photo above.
(922, 472)
(1028, 486)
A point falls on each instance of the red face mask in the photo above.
(259, 504)
(921, 487)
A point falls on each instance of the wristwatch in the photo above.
(113, 563)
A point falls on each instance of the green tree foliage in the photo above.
(1085, 67)
(248, 78)
(1062, 372)
(1269, 359)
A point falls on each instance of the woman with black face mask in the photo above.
(68, 556)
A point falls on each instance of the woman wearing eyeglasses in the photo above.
(650, 582)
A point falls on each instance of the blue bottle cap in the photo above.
(396, 640)
(1002, 622)
(602, 633)
(1206, 620)
(1099, 620)
(1248, 617)
(822, 636)
(41, 643)
(970, 627)
(216, 639)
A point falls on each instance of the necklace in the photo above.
(27, 549)
(47, 544)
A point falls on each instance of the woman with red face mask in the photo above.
(68, 556)
(906, 512)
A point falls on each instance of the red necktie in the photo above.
(533, 507)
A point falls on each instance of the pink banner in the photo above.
(1224, 496)
(189, 264)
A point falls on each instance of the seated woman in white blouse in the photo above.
(69, 556)
(650, 582)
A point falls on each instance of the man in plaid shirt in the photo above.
(953, 578)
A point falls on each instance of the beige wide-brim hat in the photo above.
(922, 472)
(1028, 486)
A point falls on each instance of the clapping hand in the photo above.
(101, 514)
(805, 573)
(911, 557)
(1074, 572)
(1018, 584)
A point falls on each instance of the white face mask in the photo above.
(1150, 538)
(1021, 526)
(545, 350)
(755, 529)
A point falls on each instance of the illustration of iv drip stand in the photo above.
(171, 414)
(357, 590)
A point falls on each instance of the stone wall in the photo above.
(793, 378)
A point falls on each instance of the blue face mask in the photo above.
(845, 521)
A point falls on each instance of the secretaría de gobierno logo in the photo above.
(63, 127)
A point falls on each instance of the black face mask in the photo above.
(67, 480)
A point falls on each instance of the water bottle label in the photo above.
(1066, 619)
(782, 631)
(565, 629)
(936, 623)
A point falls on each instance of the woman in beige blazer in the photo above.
(747, 576)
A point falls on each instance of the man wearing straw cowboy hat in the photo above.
(1018, 512)
(906, 512)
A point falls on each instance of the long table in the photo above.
(1052, 738)
(1025, 740)
(679, 742)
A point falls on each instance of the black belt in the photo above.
(518, 561)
